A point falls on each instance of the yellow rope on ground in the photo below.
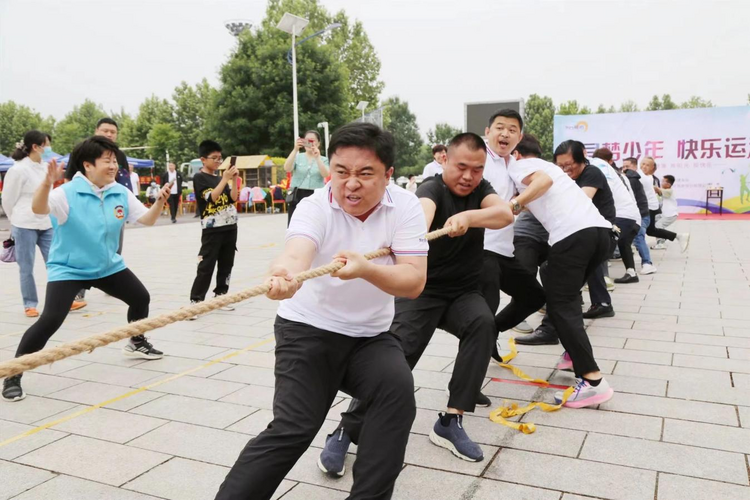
(513, 410)
(50, 355)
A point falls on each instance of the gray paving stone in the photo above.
(304, 491)
(110, 374)
(73, 488)
(107, 425)
(171, 364)
(253, 424)
(673, 487)
(91, 393)
(727, 365)
(248, 375)
(702, 329)
(193, 351)
(665, 457)
(253, 358)
(671, 408)
(717, 437)
(432, 363)
(620, 383)
(26, 444)
(214, 446)
(203, 388)
(737, 395)
(62, 366)
(254, 395)
(715, 340)
(18, 478)
(420, 451)
(180, 479)
(92, 459)
(737, 332)
(32, 409)
(604, 422)
(576, 476)
(195, 411)
(738, 353)
(600, 331)
(673, 373)
(306, 471)
(38, 384)
(677, 347)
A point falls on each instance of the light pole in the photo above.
(362, 106)
(237, 26)
(324, 125)
(293, 25)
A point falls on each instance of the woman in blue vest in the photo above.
(87, 215)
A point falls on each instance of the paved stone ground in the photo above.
(678, 428)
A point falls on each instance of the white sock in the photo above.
(630, 271)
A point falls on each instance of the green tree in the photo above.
(402, 123)
(442, 134)
(162, 138)
(665, 102)
(572, 108)
(424, 157)
(628, 107)
(696, 102)
(539, 118)
(77, 125)
(191, 110)
(125, 124)
(15, 121)
(151, 112)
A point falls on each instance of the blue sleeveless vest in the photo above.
(85, 246)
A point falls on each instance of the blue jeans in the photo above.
(26, 243)
(640, 242)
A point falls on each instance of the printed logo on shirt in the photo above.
(119, 212)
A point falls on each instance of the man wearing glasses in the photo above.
(216, 197)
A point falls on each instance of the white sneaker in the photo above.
(610, 284)
(684, 239)
(523, 327)
(648, 269)
(659, 246)
(228, 307)
(193, 318)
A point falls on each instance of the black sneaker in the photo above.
(628, 278)
(599, 311)
(12, 390)
(449, 433)
(483, 401)
(538, 337)
(141, 348)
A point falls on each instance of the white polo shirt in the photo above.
(499, 241)
(564, 209)
(625, 205)
(431, 170)
(355, 308)
(669, 203)
(648, 186)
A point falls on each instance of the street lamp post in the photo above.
(362, 106)
(324, 125)
(293, 25)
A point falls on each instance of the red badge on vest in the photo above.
(119, 212)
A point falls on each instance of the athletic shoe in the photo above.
(31, 312)
(483, 401)
(141, 348)
(228, 307)
(538, 337)
(648, 269)
(599, 311)
(586, 394)
(12, 390)
(453, 437)
(331, 459)
(660, 245)
(628, 278)
(610, 284)
(565, 362)
(174, 221)
(193, 318)
(684, 239)
(78, 304)
(523, 327)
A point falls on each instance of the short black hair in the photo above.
(412, 176)
(529, 147)
(507, 113)
(107, 120)
(89, 150)
(670, 179)
(207, 147)
(30, 139)
(365, 136)
(631, 159)
(575, 148)
(470, 139)
(603, 154)
(438, 148)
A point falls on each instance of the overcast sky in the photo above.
(436, 54)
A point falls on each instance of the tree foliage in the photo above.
(628, 106)
(162, 138)
(657, 104)
(539, 117)
(191, 112)
(402, 123)
(76, 126)
(572, 108)
(696, 102)
(15, 121)
(441, 134)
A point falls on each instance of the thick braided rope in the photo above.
(52, 354)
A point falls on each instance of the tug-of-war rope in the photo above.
(50, 355)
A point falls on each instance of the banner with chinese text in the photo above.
(699, 147)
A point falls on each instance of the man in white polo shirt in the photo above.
(435, 167)
(332, 333)
(501, 270)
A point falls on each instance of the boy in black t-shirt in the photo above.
(462, 200)
(215, 197)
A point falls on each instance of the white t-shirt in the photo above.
(669, 203)
(173, 180)
(499, 241)
(58, 202)
(432, 169)
(648, 186)
(564, 209)
(411, 187)
(135, 183)
(625, 205)
(21, 182)
(355, 308)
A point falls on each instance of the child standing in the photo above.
(87, 214)
(668, 209)
(216, 197)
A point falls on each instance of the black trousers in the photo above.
(628, 231)
(656, 232)
(311, 366)
(530, 253)
(510, 276)
(299, 195)
(216, 246)
(570, 262)
(174, 201)
(59, 297)
(468, 318)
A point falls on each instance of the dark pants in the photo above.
(510, 276)
(468, 318)
(530, 253)
(174, 201)
(597, 286)
(570, 262)
(215, 246)
(299, 195)
(656, 232)
(628, 231)
(312, 365)
(60, 294)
